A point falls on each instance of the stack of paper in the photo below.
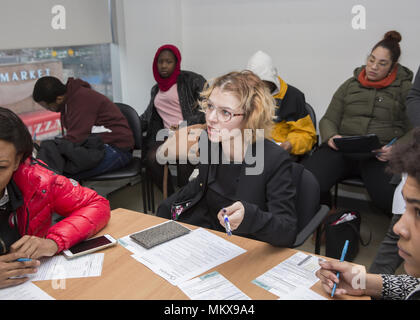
(54, 268)
(212, 286)
(292, 278)
(188, 256)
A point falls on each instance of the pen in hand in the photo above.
(387, 145)
(343, 255)
(227, 224)
(391, 142)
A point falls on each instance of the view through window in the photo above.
(19, 70)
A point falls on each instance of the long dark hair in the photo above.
(14, 131)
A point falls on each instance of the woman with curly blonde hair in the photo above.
(259, 203)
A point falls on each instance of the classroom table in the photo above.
(125, 278)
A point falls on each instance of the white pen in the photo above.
(227, 225)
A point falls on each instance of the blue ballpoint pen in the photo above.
(388, 145)
(23, 259)
(343, 255)
(391, 142)
(227, 225)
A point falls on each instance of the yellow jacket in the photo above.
(292, 121)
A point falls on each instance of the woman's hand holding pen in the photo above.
(10, 268)
(384, 153)
(345, 285)
(235, 213)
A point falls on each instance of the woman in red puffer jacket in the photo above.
(29, 195)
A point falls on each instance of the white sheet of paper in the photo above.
(24, 291)
(297, 271)
(212, 286)
(303, 293)
(131, 245)
(59, 267)
(188, 256)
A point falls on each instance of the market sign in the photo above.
(16, 85)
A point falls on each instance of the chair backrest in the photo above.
(311, 112)
(133, 121)
(307, 201)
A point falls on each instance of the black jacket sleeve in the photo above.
(277, 222)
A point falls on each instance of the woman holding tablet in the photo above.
(29, 195)
(370, 102)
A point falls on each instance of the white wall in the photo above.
(311, 41)
(143, 26)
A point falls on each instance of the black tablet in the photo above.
(358, 144)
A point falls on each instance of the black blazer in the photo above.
(268, 199)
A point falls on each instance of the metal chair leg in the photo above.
(318, 240)
(150, 193)
(143, 191)
(335, 196)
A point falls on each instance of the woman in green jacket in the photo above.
(372, 101)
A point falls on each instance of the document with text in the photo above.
(212, 286)
(59, 267)
(289, 275)
(302, 293)
(188, 256)
(24, 291)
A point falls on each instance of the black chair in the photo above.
(309, 211)
(135, 167)
(312, 114)
(353, 182)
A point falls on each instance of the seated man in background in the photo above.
(293, 126)
(83, 112)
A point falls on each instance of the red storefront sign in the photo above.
(42, 124)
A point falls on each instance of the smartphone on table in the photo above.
(90, 245)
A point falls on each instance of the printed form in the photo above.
(188, 256)
(290, 275)
(24, 291)
(59, 267)
(212, 286)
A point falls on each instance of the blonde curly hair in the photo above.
(255, 99)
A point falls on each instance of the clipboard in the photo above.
(358, 144)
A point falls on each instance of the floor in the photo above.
(130, 197)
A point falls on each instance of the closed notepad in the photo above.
(156, 235)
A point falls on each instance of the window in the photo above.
(20, 68)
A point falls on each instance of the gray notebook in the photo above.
(164, 232)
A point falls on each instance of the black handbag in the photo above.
(339, 229)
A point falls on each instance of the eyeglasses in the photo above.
(222, 114)
(383, 64)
